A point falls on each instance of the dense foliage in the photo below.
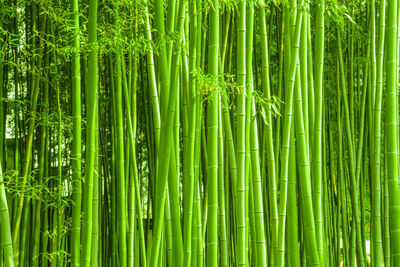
(199, 133)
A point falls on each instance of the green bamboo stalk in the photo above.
(91, 106)
(317, 152)
(342, 198)
(292, 208)
(391, 130)
(77, 141)
(241, 135)
(258, 234)
(376, 146)
(212, 142)
(224, 260)
(268, 128)
(190, 143)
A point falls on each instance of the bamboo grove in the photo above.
(199, 133)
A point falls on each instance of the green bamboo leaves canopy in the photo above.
(199, 133)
